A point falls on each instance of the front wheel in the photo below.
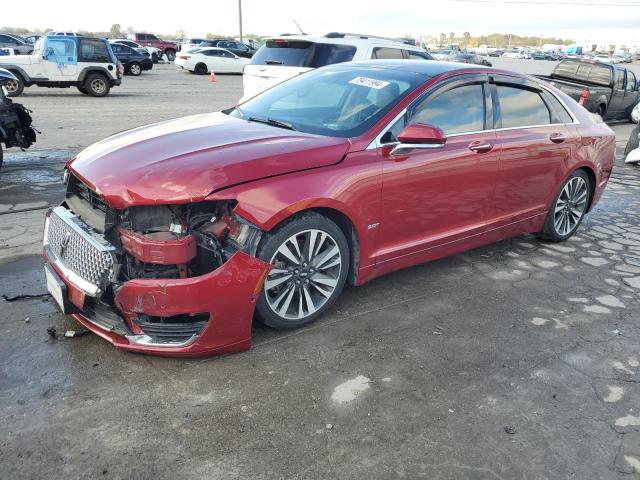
(568, 209)
(154, 58)
(309, 255)
(83, 90)
(14, 88)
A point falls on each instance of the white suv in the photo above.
(284, 57)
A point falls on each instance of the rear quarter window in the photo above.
(387, 53)
(95, 51)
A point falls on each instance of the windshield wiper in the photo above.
(273, 122)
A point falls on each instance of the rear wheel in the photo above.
(135, 69)
(602, 109)
(97, 85)
(14, 87)
(201, 69)
(310, 258)
(568, 209)
(83, 90)
(171, 55)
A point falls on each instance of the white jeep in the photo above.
(65, 61)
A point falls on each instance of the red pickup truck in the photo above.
(150, 40)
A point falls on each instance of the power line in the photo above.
(594, 3)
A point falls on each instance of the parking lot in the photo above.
(512, 361)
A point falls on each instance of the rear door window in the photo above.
(459, 110)
(520, 107)
(559, 114)
(301, 53)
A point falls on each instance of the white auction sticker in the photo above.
(369, 82)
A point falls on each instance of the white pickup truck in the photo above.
(65, 61)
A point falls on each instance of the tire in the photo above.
(14, 87)
(83, 90)
(97, 85)
(602, 109)
(1, 155)
(154, 58)
(568, 208)
(171, 54)
(313, 286)
(200, 69)
(135, 69)
(634, 141)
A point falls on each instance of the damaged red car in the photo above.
(173, 236)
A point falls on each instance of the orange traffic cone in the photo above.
(212, 78)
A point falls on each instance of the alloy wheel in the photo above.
(570, 206)
(305, 274)
(135, 70)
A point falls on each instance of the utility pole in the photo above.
(240, 17)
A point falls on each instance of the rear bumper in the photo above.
(227, 294)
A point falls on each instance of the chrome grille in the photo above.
(85, 257)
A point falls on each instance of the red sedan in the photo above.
(173, 235)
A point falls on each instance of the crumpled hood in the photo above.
(184, 160)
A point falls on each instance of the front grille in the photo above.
(78, 188)
(84, 256)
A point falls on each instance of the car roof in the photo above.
(357, 41)
(429, 68)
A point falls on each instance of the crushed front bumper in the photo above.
(226, 297)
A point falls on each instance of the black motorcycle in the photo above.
(15, 120)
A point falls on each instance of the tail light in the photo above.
(184, 57)
(584, 96)
(120, 69)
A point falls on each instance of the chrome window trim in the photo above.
(377, 142)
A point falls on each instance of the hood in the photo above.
(184, 160)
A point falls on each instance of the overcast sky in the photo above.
(611, 24)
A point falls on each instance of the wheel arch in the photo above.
(89, 70)
(591, 174)
(332, 211)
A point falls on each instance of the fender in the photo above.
(17, 69)
(351, 188)
(87, 70)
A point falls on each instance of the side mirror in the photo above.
(419, 136)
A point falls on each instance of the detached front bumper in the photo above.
(221, 303)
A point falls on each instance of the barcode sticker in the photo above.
(369, 82)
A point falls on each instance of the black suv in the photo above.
(240, 49)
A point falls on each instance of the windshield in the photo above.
(332, 101)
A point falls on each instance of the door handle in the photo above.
(557, 137)
(480, 147)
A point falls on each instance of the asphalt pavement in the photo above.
(519, 360)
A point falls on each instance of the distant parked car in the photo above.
(512, 54)
(32, 38)
(543, 56)
(237, 48)
(204, 60)
(134, 61)
(19, 46)
(191, 43)
(153, 52)
(470, 58)
(150, 40)
(443, 54)
(62, 34)
(495, 53)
